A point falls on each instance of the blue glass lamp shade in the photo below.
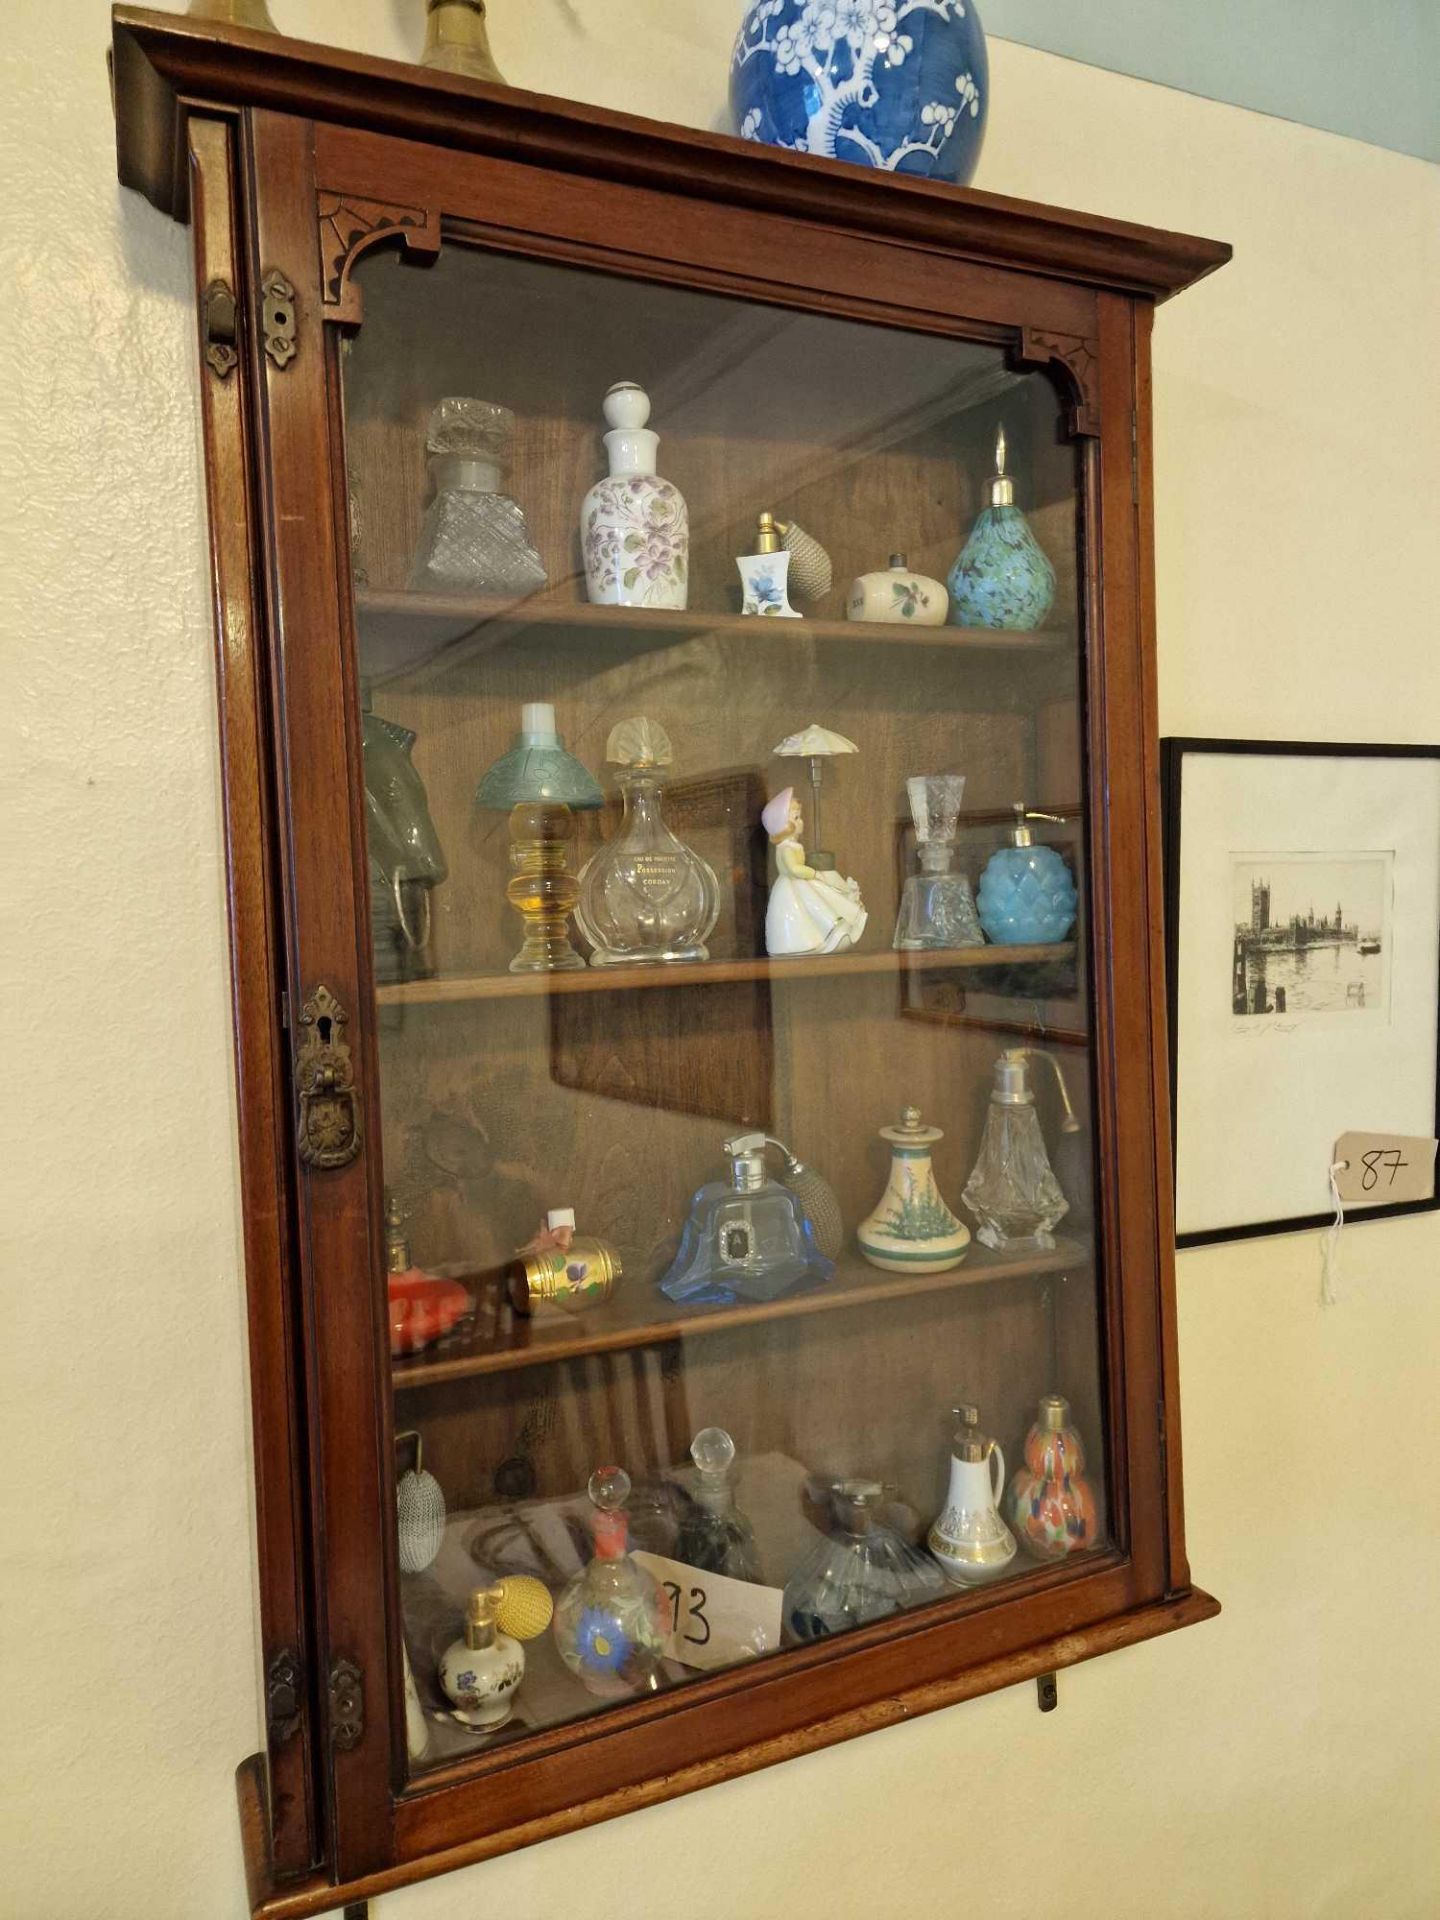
(1027, 896)
(903, 85)
(537, 768)
(1003, 576)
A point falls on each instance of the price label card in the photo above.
(1385, 1167)
(715, 1621)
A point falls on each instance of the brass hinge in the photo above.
(347, 1704)
(284, 1692)
(277, 318)
(219, 328)
(328, 1129)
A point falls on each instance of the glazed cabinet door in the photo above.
(721, 997)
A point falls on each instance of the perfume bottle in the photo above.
(911, 1230)
(898, 596)
(419, 1511)
(862, 1571)
(969, 1538)
(713, 1535)
(481, 1673)
(1002, 577)
(1027, 896)
(745, 1238)
(812, 572)
(634, 527)
(1052, 1504)
(765, 573)
(610, 1622)
(562, 1269)
(645, 896)
(423, 1307)
(473, 538)
(1012, 1190)
(937, 908)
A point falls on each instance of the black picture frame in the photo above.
(1174, 749)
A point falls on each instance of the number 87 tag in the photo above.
(1384, 1168)
(714, 1621)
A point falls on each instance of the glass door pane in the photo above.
(768, 1339)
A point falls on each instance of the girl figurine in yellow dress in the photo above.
(810, 910)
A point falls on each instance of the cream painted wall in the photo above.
(1282, 1763)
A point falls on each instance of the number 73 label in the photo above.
(714, 1621)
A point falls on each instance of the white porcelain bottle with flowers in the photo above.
(634, 527)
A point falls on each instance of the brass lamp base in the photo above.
(456, 40)
(543, 892)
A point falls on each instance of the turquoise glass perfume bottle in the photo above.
(1003, 577)
(1027, 897)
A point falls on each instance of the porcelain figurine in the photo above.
(898, 596)
(969, 1539)
(911, 1230)
(811, 910)
(1027, 896)
(899, 84)
(481, 1673)
(1052, 1504)
(634, 527)
(1003, 576)
(765, 574)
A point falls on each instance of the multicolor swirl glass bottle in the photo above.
(1052, 1505)
(610, 1620)
(1003, 577)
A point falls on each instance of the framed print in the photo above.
(1302, 940)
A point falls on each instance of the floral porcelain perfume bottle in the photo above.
(473, 538)
(714, 1536)
(1027, 896)
(610, 1621)
(911, 1229)
(1003, 577)
(1052, 1504)
(634, 528)
(481, 1673)
(765, 574)
(862, 1571)
(1012, 1190)
(561, 1269)
(746, 1237)
(645, 897)
(937, 908)
(969, 1539)
(898, 596)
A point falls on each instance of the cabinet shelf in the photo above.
(405, 633)
(640, 1316)
(515, 986)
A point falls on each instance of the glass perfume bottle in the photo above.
(745, 1238)
(456, 40)
(561, 1268)
(1012, 1190)
(937, 908)
(480, 1673)
(610, 1621)
(1002, 577)
(645, 896)
(862, 1571)
(473, 538)
(1027, 896)
(1052, 1504)
(714, 1535)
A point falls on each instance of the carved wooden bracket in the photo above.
(348, 226)
(1080, 358)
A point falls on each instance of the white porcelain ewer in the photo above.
(969, 1539)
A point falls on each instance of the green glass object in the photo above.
(537, 767)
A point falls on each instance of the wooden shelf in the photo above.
(403, 633)
(515, 986)
(641, 1316)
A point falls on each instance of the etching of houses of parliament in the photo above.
(1299, 931)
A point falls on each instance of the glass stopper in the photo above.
(609, 1488)
(712, 1450)
(638, 743)
(478, 428)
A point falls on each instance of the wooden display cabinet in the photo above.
(839, 346)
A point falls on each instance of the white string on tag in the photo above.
(1330, 1242)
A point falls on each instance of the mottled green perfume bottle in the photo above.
(1003, 577)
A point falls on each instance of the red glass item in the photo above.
(423, 1307)
(1052, 1505)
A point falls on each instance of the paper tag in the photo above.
(1385, 1167)
(715, 1620)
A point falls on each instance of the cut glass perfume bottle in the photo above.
(862, 1571)
(937, 908)
(474, 538)
(610, 1620)
(714, 1535)
(746, 1237)
(1012, 1190)
(645, 896)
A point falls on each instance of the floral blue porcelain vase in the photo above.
(899, 84)
(1026, 896)
(1003, 577)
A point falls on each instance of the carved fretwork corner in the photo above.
(349, 225)
(1080, 357)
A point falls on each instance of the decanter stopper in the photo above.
(638, 743)
(713, 1452)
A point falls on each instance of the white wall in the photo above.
(1282, 1762)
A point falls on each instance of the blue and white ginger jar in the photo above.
(899, 84)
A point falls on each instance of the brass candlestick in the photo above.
(456, 40)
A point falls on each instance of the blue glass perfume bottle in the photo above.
(1027, 896)
(746, 1238)
(1003, 577)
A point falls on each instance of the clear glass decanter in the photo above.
(714, 1535)
(862, 1571)
(1012, 1190)
(645, 896)
(474, 538)
(610, 1620)
(745, 1238)
(937, 908)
